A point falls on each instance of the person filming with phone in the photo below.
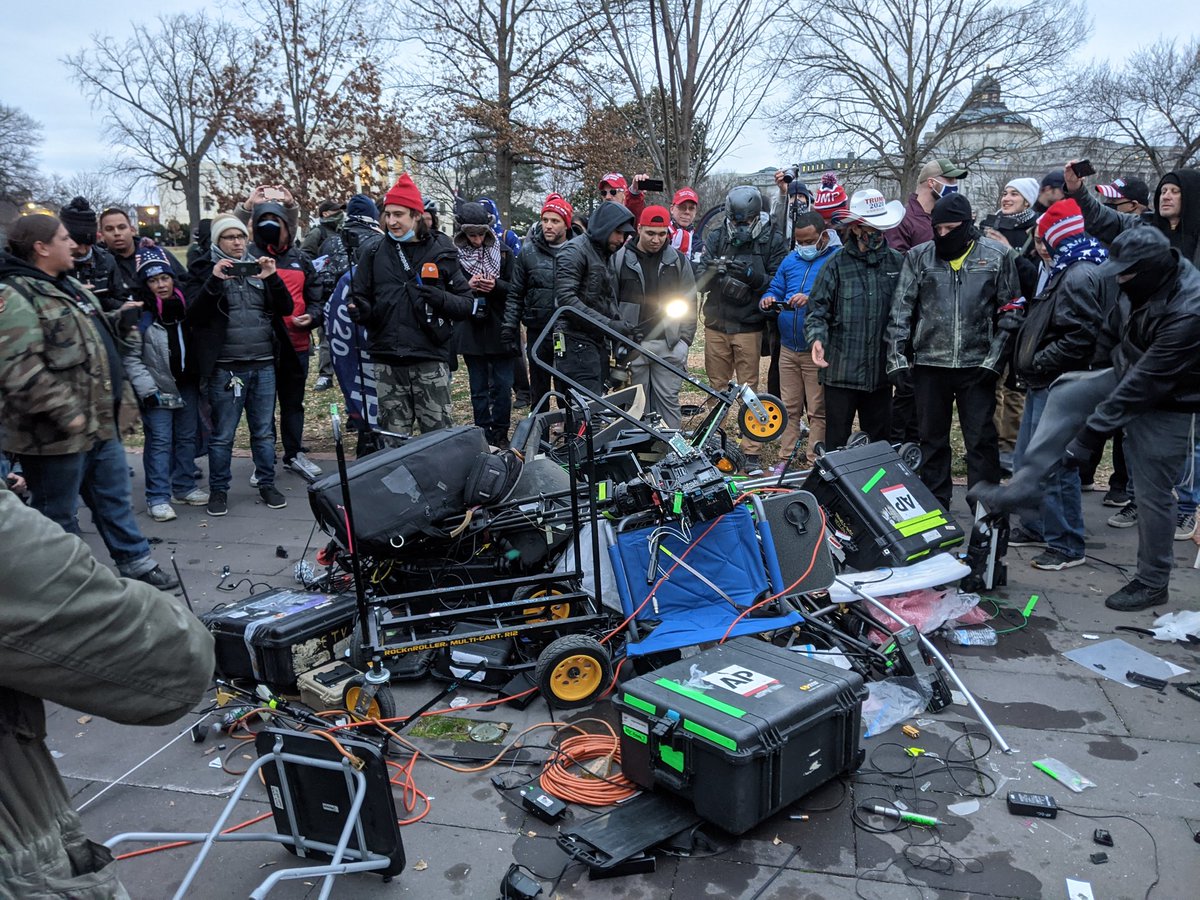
(236, 306)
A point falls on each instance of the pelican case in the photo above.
(880, 510)
(741, 730)
(275, 636)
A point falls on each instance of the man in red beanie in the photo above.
(408, 291)
(652, 276)
(531, 294)
(1059, 335)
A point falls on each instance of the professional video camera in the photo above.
(680, 486)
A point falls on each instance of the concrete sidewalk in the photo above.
(1141, 748)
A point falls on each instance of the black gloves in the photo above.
(357, 313)
(1081, 448)
(432, 295)
(622, 327)
(900, 378)
(511, 341)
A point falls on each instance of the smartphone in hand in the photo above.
(1083, 168)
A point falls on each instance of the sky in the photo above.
(33, 78)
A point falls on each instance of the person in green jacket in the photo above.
(73, 633)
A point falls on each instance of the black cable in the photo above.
(240, 582)
(770, 881)
(1153, 843)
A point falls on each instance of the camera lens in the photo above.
(788, 178)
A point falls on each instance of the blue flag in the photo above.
(351, 363)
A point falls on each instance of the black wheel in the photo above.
(573, 671)
(818, 449)
(912, 456)
(858, 439)
(382, 706)
(546, 612)
(762, 432)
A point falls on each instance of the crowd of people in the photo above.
(867, 313)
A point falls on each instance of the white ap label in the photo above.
(903, 502)
(740, 681)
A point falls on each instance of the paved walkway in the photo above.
(1140, 747)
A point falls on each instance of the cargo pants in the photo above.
(413, 397)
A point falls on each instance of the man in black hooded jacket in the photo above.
(585, 281)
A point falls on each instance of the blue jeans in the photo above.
(101, 476)
(169, 458)
(491, 380)
(1188, 488)
(1060, 523)
(257, 398)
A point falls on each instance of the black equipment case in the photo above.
(276, 636)
(880, 510)
(401, 493)
(741, 730)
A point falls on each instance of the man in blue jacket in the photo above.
(787, 297)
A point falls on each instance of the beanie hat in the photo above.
(557, 204)
(1026, 187)
(404, 193)
(364, 206)
(151, 261)
(80, 221)
(655, 216)
(830, 196)
(1062, 220)
(951, 208)
(225, 222)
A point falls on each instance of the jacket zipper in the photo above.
(956, 275)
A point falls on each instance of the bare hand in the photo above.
(257, 196)
(640, 176)
(1072, 181)
(765, 302)
(76, 424)
(16, 483)
(797, 300)
(266, 267)
(302, 321)
(285, 195)
(221, 269)
(779, 182)
(996, 236)
(477, 283)
(131, 304)
(818, 355)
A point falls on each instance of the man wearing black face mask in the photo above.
(954, 307)
(1151, 339)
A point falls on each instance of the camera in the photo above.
(247, 269)
(676, 487)
(779, 306)
(791, 174)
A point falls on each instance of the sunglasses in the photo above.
(610, 192)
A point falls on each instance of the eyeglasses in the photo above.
(609, 192)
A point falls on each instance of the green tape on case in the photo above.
(638, 703)
(874, 480)
(700, 697)
(635, 734)
(673, 758)
(707, 733)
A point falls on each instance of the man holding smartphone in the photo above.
(237, 320)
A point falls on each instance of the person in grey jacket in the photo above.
(73, 633)
(657, 299)
(166, 388)
(954, 305)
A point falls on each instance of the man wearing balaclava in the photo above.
(956, 302)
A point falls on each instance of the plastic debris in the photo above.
(1064, 774)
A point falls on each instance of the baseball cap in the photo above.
(1054, 179)
(685, 195)
(1126, 189)
(942, 168)
(328, 206)
(655, 217)
(1132, 246)
(615, 180)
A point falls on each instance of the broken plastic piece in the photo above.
(1099, 858)
(1102, 837)
(1061, 772)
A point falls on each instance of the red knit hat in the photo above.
(830, 196)
(557, 204)
(1062, 220)
(655, 217)
(404, 193)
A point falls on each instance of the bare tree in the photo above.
(692, 69)
(101, 189)
(170, 94)
(889, 82)
(319, 120)
(503, 69)
(20, 135)
(1150, 102)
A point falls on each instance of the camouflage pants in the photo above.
(413, 397)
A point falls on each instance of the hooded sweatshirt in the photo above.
(1186, 237)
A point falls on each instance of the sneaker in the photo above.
(302, 465)
(1126, 518)
(194, 497)
(1117, 497)
(323, 384)
(1135, 596)
(254, 480)
(159, 579)
(753, 465)
(216, 504)
(1185, 526)
(271, 496)
(1022, 537)
(1090, 486)
(162, 512)
(1054, 561)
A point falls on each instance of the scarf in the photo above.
(1080, 248)
(1023, 219)
(483, 260)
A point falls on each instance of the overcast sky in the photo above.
(33, 78)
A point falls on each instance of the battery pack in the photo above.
(879, 509)
(741, 730)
